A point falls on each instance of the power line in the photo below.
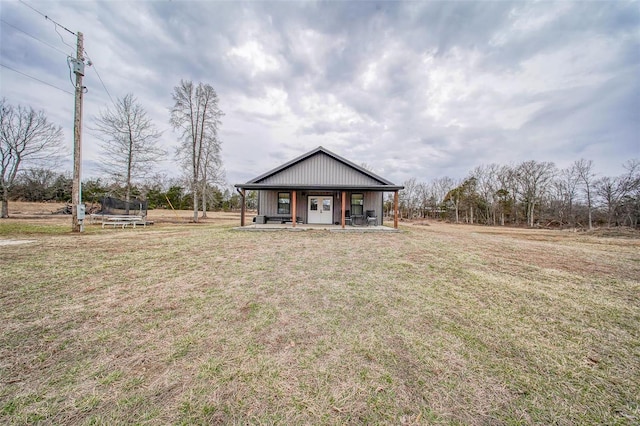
(36, 79)
(34, 37)
(46, 17)
(56, 25)
(55, 28)
(93, 65)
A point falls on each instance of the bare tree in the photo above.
(433, 194)
(470, 198)
(409, 197)
(423, 198)
(441, 186)
(508, 193)
(631, 199)
(584, 171)
(566, 186)
(129, 142)
(486, 186)
(197, 115)
(212, 172)
(26, 137)
(621, 195)
(611, 191)
(534, 179)
(462, 195)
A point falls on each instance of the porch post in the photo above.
(344, 195)
(242, 207)
(294, 208)
(395, 209)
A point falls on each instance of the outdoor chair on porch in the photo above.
(372, 219)
(347, 217)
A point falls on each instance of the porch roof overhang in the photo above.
(375, 188)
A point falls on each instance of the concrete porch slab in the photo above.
(308, 227)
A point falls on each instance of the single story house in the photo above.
(320, 187)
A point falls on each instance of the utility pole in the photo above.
(76, 192)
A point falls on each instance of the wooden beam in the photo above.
(294, 207)
(395, 209)
(242, 207)
(344, 196)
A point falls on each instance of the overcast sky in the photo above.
(412, 89)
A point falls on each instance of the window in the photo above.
(357, 204)
(284, 203)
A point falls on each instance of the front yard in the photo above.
(201, 324)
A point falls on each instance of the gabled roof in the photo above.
(311, 154)
(269, 180)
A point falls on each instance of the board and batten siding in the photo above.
(301, 206)
(372, 201)
(320, 169)
(268, 204)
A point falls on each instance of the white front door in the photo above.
(320, 209)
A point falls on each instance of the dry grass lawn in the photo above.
(200, 324)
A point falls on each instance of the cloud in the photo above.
(414, 89)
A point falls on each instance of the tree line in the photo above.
(532, 193)
(45, 185)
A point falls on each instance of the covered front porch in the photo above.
(319, 208)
